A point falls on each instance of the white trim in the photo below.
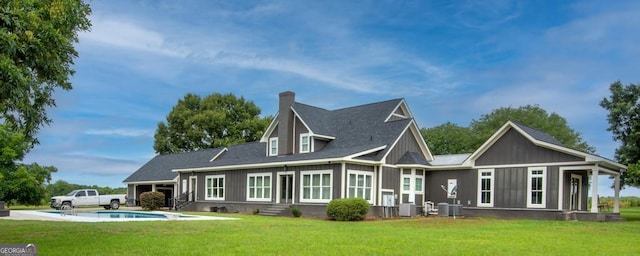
(279, 186)
(560, 187)
(372, 188)
(403, 105)
(219, 153)
(224, 187)
(378, 183)
(301, 120)
(261, 187)
(589, 158)
(272, 141)
(543, 203)
(300, 144)
(579, 177)
(272, 126)
(491, 178)
(325, 137)
(311, 199)
(415, 131)
(151, 182)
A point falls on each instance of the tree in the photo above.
(624, 122)
(36, 55)
(448, 138)
(20, 183)
(532, 116)
(213, 121)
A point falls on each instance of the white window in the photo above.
(406, 183)
(184, 185)
(485, 187)
(360, 185)
(259, 188)
(214, 188)
(419, 184)
(273, 146)
(305, 145)
(316, 186)
(536, 187)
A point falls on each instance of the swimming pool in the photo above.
(123, 215)
(108, 216)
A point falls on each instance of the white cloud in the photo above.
(124, 132)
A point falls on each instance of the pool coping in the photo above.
(46, 215)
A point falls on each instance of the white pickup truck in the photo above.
(88, 197)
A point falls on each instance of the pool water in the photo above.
(117, 215)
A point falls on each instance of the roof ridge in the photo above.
(368, 104)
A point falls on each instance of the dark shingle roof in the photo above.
(356, 129)
(160, 167)
(539, 135)
(413, 158)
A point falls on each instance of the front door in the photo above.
(574, 192)
(193, 188)
(286, 188)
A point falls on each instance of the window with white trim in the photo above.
(316, 186)
(485, 187)
(273, 146)
(305, 144)
(360, 185)
(419, 184)
(214, 187)
(406, 183)
(259, 187)
(536, 187)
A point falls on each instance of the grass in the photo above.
(300, 236)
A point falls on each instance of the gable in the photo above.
(409, 141)
(401, 111)
(513, 148)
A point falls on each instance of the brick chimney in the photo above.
(285, 123)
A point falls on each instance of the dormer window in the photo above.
(305, 145)
(273, 146)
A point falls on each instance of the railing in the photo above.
(181, 200)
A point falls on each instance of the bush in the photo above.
(151, 200)
(347, 209)
(256, 211)
(296, 212)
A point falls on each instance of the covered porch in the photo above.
(577, 182)
(167, 187)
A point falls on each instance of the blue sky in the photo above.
(451, 61)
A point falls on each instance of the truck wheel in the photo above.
(115, 204)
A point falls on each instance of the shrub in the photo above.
(296, 212)
(151, 200)
(347, 209)
(256, 211)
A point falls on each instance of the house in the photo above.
(309, 156)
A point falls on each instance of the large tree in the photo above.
(36, 57)
(213, 121)
(448, 138)
(530, 115)
(624, 122)
(20, 183)
(466, 140)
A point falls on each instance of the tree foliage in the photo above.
(466, 140)
(36, 55)
(62, 187)
(624, 122)
(532, 116)
(20, 183)
(448, 138)
(213, 121)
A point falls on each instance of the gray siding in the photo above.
(405, 144)
(357, 167)
(391, 179)
(513, 148)
(467, 186)
(318, 145)
(299, 129)
(510, 188)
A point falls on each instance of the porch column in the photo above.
(153, 187)
(616, 190)
(594, 189)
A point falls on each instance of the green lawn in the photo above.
(289, 236)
